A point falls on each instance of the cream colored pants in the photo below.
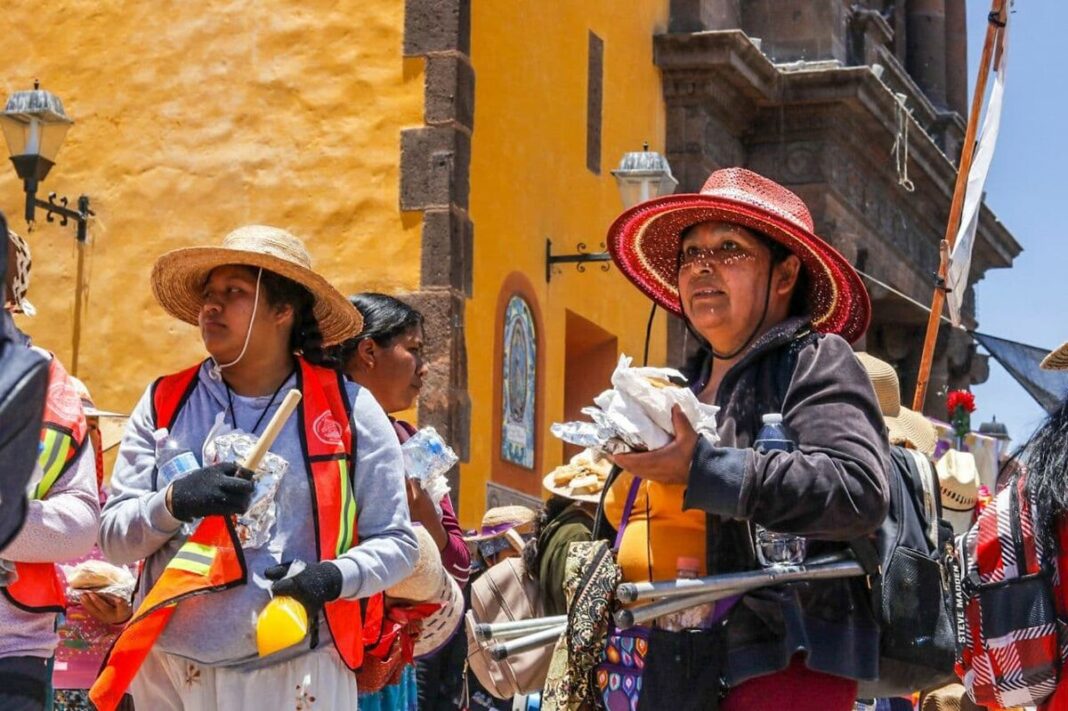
(317, 680)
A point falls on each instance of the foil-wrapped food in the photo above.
(635, 415)
(254, 526)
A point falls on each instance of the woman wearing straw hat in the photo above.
(264, 316)
(386, 358)
(503, 534)
(773, 308)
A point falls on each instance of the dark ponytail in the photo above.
(533, 551)
(305, 338)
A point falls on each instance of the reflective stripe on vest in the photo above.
(63, 434)
(210, 561)
(328, 447)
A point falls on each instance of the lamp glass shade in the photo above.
(643, 175)
(34, 124)
(34, 137)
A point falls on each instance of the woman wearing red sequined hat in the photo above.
(800, 466)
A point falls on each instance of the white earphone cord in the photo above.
(216, 370)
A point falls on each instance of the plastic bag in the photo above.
(635, 415)
(427, 458)
(123, 587)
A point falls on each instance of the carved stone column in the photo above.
(956, 57)
(926, 47)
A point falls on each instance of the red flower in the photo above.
(960, 399)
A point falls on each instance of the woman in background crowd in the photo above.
(60, 523)
(387, 359)
(504, 533)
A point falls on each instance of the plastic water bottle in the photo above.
(687, 568)
(426, 455)
(172, 459)
(776, 548)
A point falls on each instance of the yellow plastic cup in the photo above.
(282, 623)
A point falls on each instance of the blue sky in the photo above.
(1026, 187)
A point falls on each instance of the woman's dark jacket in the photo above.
(831, 489)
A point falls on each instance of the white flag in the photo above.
(960, 261)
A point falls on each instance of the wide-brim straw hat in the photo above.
(904, 426)
(438, 627)
(911, 427)
(644, 243)
(958, 480)
(178, 277)
(499, 520)
(1057, 360)
(430, 582)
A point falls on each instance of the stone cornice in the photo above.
(725, 64)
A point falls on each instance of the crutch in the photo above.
(683, 594)
(830, 566)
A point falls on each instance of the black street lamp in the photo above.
(34, 126)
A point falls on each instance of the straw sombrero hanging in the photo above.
(178, 277)
(904, 426)
(644, 243)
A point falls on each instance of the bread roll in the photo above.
(95, 574)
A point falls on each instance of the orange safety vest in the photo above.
(63, 435)
(211, 559)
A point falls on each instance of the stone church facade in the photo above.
(810, 93)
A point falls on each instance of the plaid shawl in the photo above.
(1013, 634)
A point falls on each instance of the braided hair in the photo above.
(305, 338)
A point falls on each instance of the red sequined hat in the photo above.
(644, 243)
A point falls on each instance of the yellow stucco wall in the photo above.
(192, 120)
(529, 181)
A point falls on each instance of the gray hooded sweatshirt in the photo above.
(218, 629)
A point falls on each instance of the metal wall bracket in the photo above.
(579, 259)
(58, 206)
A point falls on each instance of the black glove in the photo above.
(221, 489)
(313, 587)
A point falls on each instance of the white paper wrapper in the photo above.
(635, 415)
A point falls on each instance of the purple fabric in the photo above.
(494, 530)
(628, 506)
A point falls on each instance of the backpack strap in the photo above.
(931, 495)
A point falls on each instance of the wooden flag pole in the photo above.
(934, 320)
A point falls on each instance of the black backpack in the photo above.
(909, 562)
(23, 384)
(912, 592)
